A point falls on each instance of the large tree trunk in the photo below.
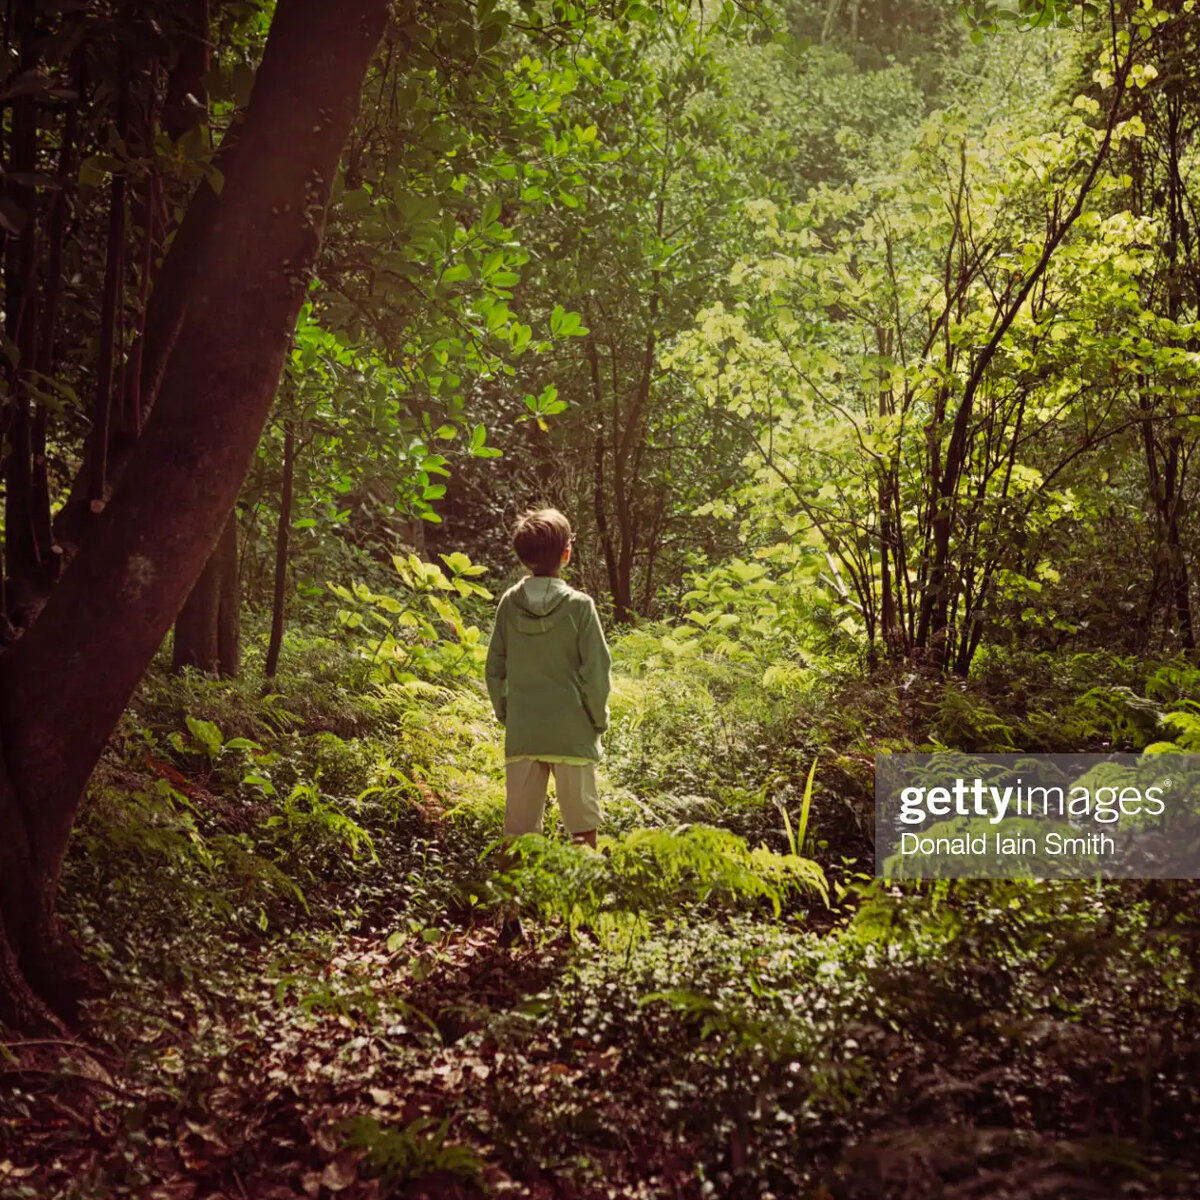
(64, 684)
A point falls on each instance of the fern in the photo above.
(404, 1155)
(1121, 713)
(309, 818)
(1173, 682)
(968, 723)
(654, 872)
(1187, 735)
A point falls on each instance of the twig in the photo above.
(111, 1087)
(42, 1042)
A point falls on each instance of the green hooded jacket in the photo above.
(548, 671)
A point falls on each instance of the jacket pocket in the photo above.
(587, 712)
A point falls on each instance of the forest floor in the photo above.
(294, 901)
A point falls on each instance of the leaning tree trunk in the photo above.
(65, 683)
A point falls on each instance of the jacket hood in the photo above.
(539, 603)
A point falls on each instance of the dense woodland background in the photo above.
(861, 344)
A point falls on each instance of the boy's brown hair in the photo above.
(540, 538)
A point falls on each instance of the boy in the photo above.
(548, 679)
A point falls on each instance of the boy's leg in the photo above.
(578, 800)
(524, 806)
(525, 796)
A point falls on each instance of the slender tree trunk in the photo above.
(1146, 624)
(64, 684)
(42, 524)
(600, 508)
(111, 311)
(599, 501)
(888, 631)
(229, 602)
(144, 212)
(1181, 599)
(653, 549)
(282, 535)
(626, 440)
(131, 383)
(891, 630)
(195, 644)
(207, 628)
(1176, 474)
(623, 600)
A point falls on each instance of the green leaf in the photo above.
(806, 804)
(491, 33)
(207, 734)
(241, 743)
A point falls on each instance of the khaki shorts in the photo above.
(525, 798)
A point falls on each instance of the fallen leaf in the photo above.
(340, 1173)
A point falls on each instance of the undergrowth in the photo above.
(721, 1001)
